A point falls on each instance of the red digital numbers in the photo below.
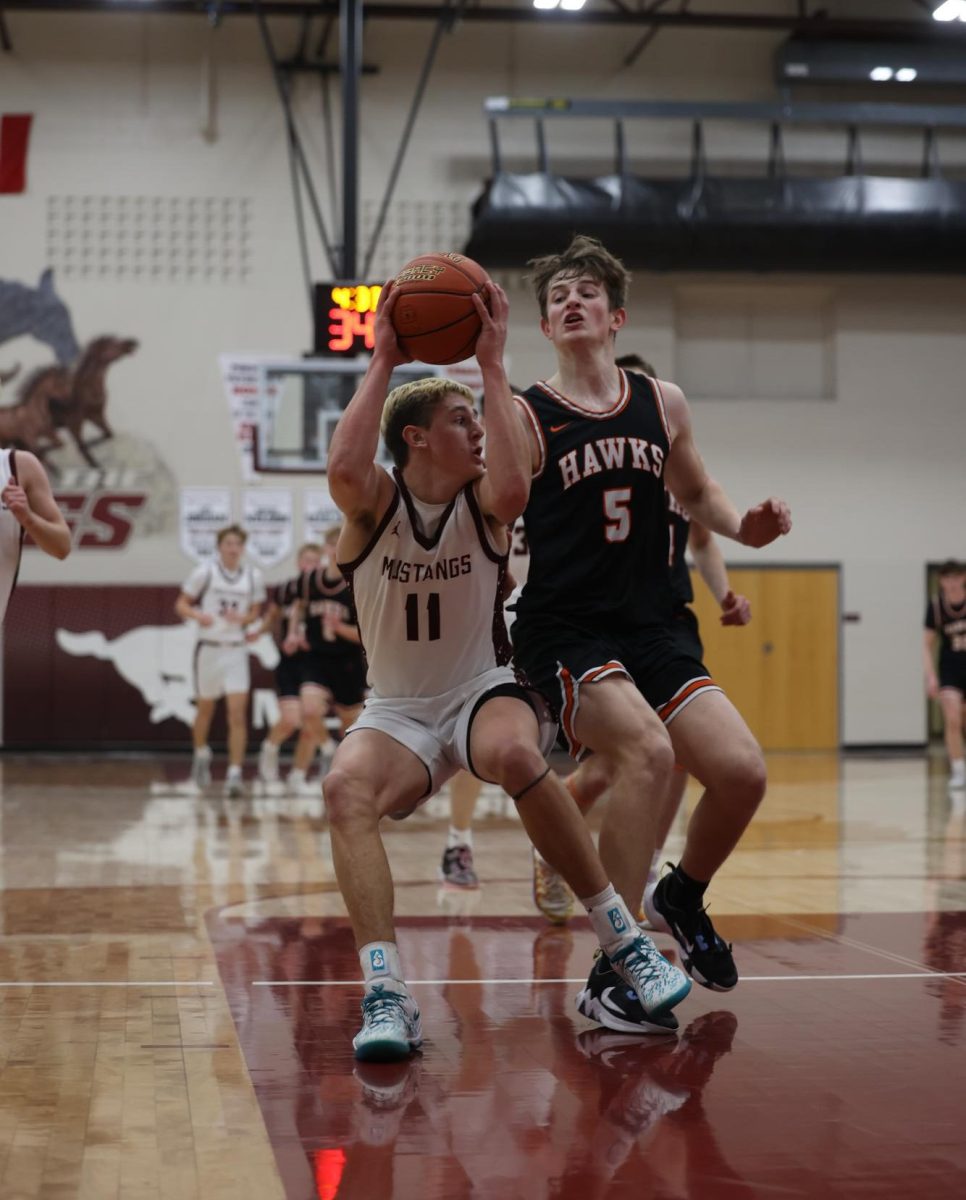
(351, 330)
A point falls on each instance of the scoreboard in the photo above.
(344, 318)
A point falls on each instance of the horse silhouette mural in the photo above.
(87, 399)
(57, 397)
(39, 313)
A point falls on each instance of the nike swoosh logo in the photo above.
(557, 428)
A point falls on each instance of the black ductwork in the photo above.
(851, 223)
(772, 221)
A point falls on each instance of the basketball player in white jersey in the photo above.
(223, 596)
(425, 550)
(27, 506)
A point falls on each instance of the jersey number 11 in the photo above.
(412, 616)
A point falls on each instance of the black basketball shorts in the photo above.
(952, 672)
(558, 657)
(343, 676)
(686, 634)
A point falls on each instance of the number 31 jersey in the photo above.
(428, 593)
(597, 521)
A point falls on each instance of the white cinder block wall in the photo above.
(875, 476)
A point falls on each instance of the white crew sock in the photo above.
(613, 924)
(459, 837)
(380, 964)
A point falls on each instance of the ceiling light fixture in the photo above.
(951, 10)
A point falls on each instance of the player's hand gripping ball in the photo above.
(434, 316)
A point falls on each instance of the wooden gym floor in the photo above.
(178, 993)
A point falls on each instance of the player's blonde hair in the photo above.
(415, 403)
(584, 256)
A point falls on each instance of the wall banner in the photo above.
(204, 511)
(267, 518)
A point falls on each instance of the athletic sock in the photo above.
(202, 752)
(234, 772)
(683, 891)
(380, 964)
(613, 924)
(459, 837)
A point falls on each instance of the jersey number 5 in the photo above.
(412, 616)
(617, 511)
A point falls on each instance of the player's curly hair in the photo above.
(584, 256)
(414, 404)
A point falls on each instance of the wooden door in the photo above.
(782, 670)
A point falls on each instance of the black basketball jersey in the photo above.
(283, 596)
(333, 597)
(949, 622)
(679, 530)
(597, 518)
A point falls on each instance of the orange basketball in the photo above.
(434, 316)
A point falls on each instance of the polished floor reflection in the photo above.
(178, 993)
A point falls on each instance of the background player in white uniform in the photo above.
(425, 550)
(223, 596)
(26, 506)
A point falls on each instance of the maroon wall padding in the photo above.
(56, 700)
(14, 140)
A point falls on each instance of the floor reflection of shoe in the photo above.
(609, 1000)
(706, 1039)
(201, 768)
(391, 1026)
(387, 1089)
(628, 1051)
(705, 956)
(268, 762)
(456, 869)
(551, 894)
(458, 902)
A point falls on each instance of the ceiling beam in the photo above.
(923, 30)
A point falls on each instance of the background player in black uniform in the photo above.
(593, 622)
(686, 535)
(946, 623)
(280, 618)
(333, 666)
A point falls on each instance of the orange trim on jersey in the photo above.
(683, 697)
(537, 433)
(622, 398)
(661, 406)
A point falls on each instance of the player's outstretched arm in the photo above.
(32, 502)
(704, 498)
(358, 485)
(735, 610)
(504, 489)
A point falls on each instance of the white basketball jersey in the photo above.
(11, 534)
(218, 592)
(429, 604)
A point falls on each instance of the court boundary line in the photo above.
(6, 983)
(583, 979)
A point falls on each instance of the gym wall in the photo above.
(865, 445)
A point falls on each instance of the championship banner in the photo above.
(240, 378)
(319, 513)
(204, 511)
(267, 519)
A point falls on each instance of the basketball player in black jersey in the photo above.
(593, 622)
(279, 619)
(334, 666)
(688, 535)
(946, 623)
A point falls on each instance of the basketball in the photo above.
(434, 316)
